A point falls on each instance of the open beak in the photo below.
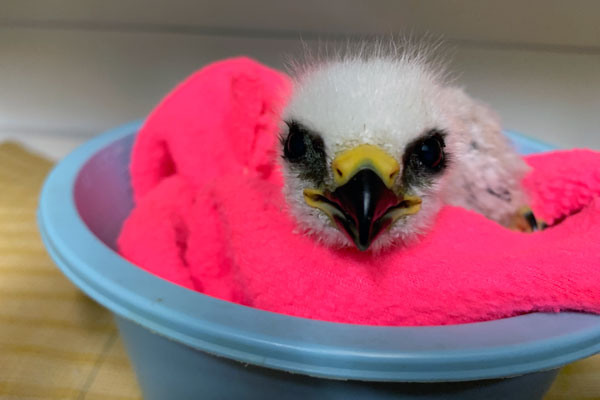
(363, 203)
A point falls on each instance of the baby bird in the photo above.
(374, 143)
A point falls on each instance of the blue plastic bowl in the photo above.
(186, 345)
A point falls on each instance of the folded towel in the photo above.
(210, 216)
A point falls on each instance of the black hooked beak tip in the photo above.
(364, 201)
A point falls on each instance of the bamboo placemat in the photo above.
(55, 343)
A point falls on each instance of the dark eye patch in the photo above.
(304, 151)
(425, 158)
(430, 152)
(296, 143)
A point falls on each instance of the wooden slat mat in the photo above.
(55, 343)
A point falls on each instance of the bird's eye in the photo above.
(295, 143)
(431, 151)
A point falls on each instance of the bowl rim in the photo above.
(482, 350)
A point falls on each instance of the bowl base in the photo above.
(169, 370)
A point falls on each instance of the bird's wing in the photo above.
(487, 172)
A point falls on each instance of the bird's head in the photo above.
(365, 147)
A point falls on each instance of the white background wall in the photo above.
(73, 68)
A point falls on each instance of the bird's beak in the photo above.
(364, 202)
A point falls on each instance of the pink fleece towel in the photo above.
(210, 216)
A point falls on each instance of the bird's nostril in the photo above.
(339, 172)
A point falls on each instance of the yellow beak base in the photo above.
(349, 162)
